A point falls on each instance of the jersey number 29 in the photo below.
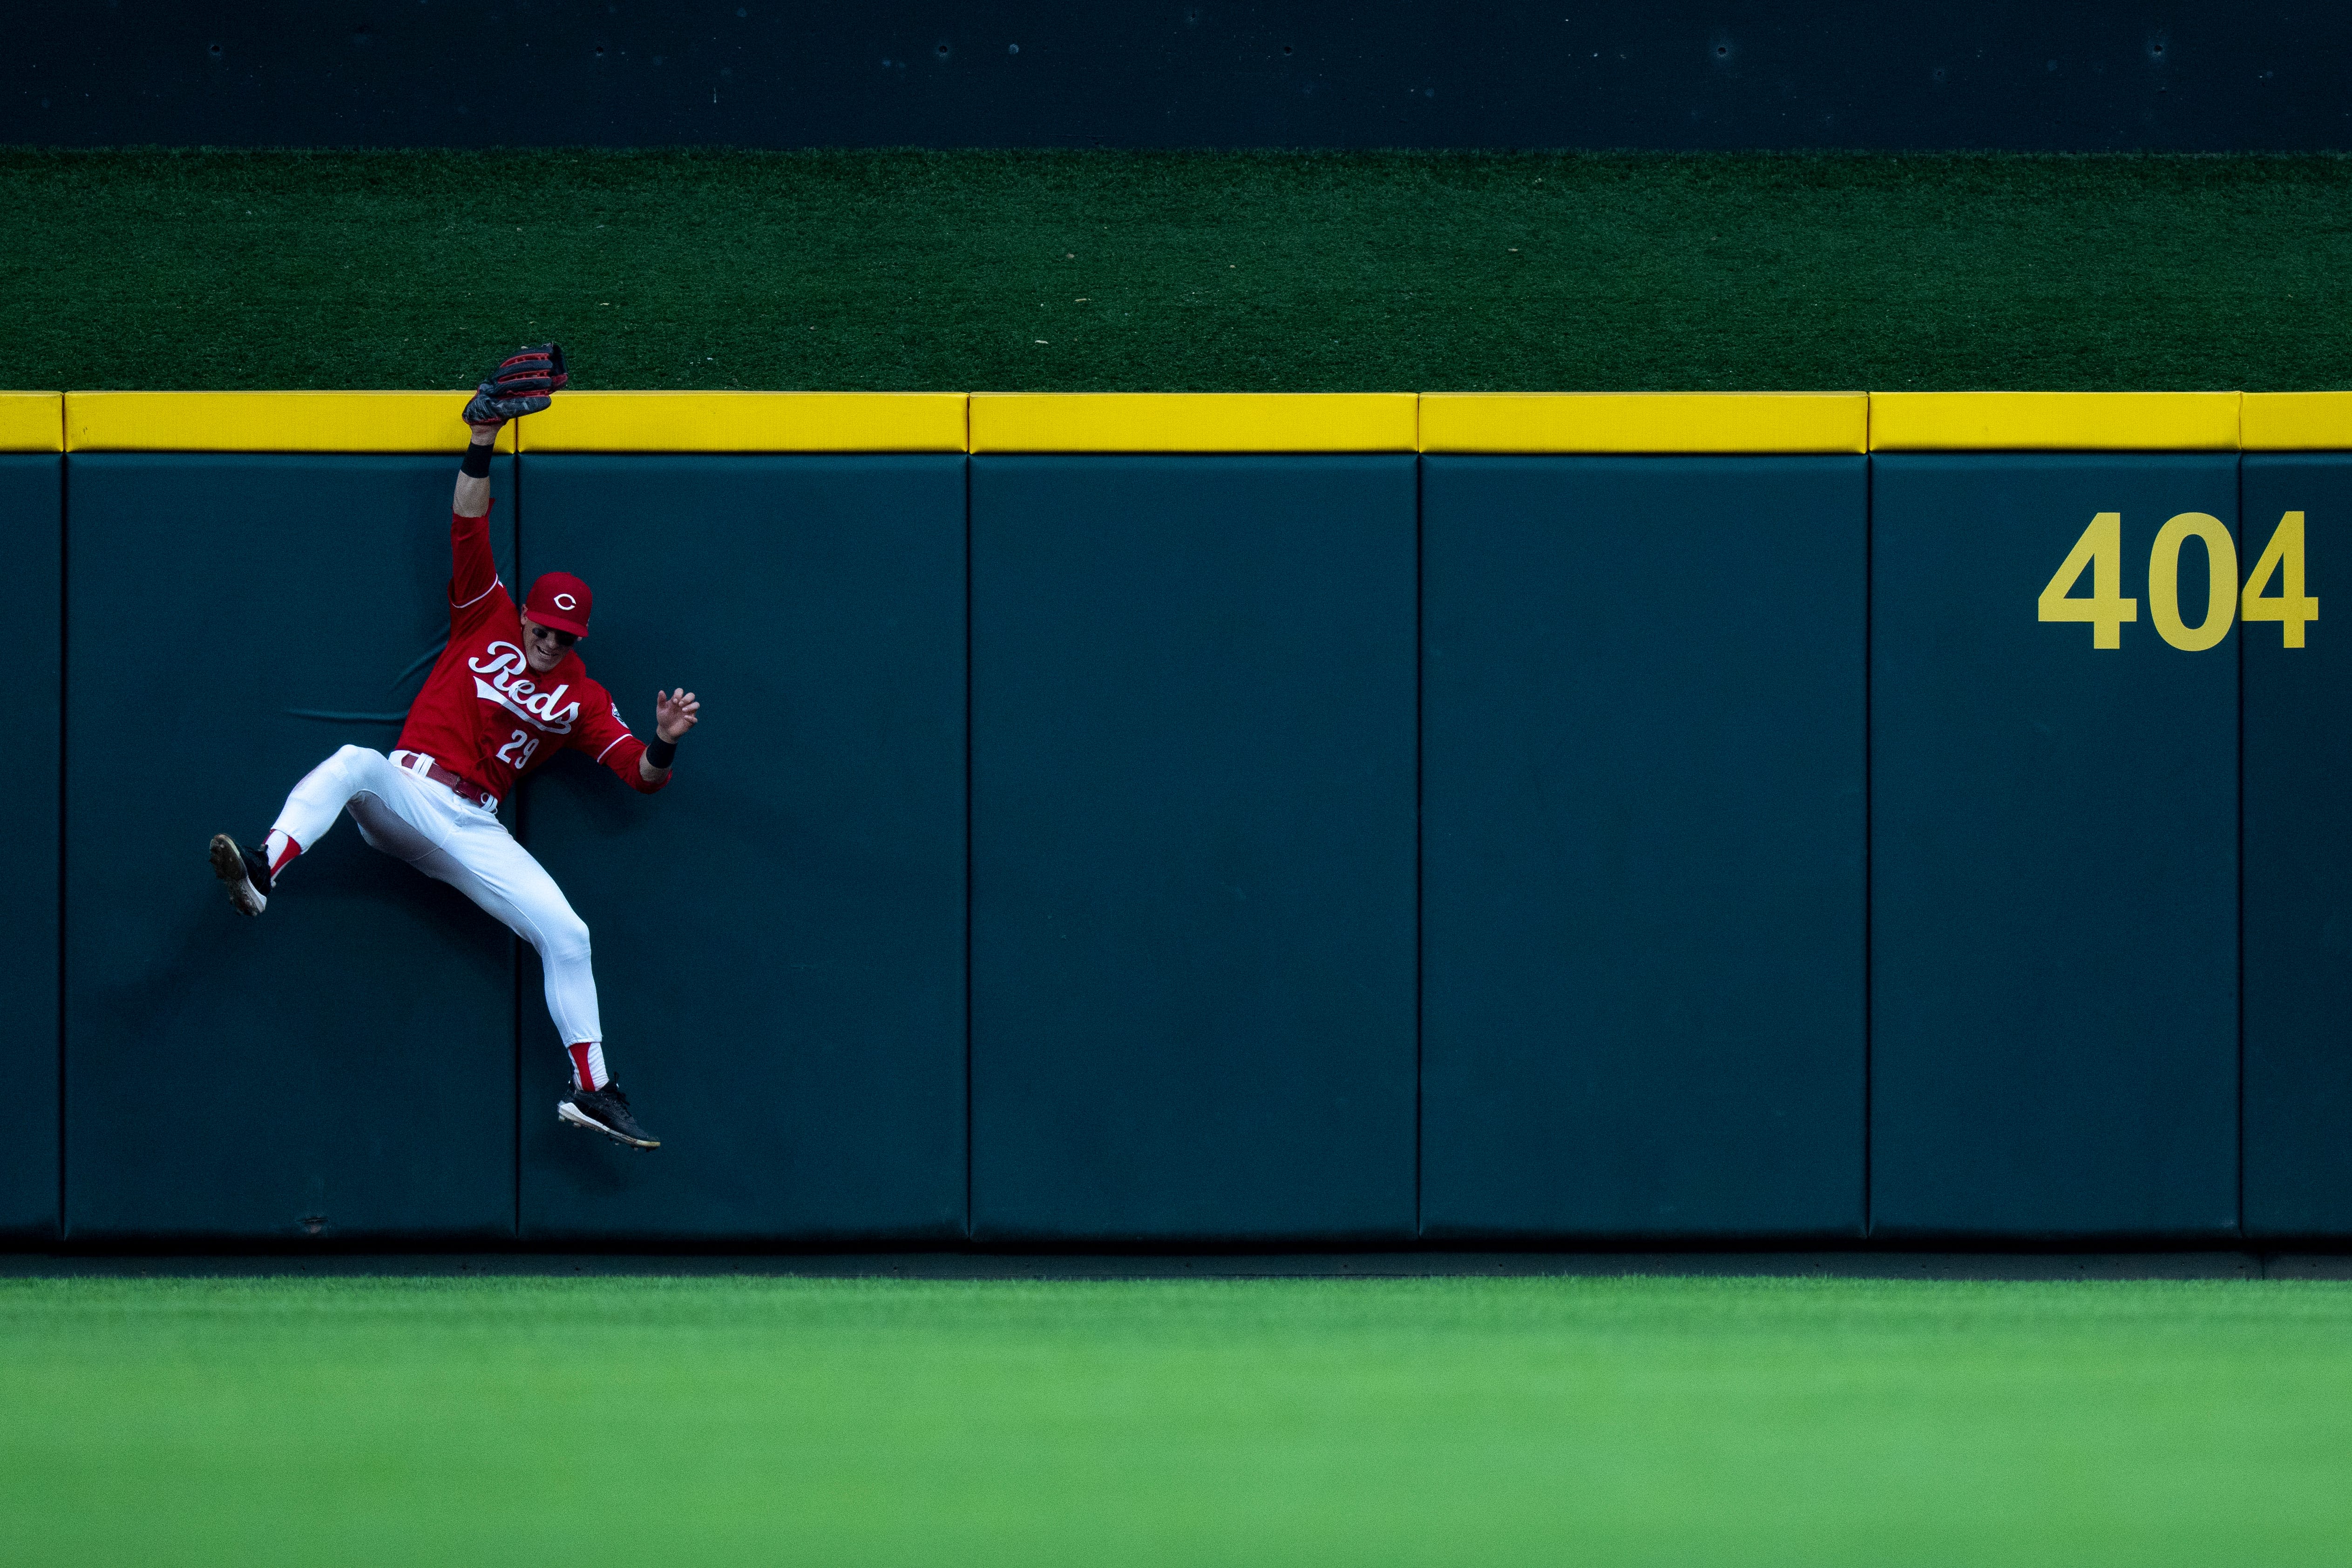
(517, 752)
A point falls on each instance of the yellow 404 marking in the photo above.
(2101, 549)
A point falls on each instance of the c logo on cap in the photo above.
(566, 602)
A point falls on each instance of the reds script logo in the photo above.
(521, 698)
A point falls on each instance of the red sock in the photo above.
(588, 1064)
(279, 849)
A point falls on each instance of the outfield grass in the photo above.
(1199, 271)
(1486, 1422)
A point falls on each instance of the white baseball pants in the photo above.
(451, 840)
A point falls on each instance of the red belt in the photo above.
(464, 788)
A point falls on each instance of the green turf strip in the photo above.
(1178, 271)
(1449, 1421)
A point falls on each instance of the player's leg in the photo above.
(250, 873)
(482, 860)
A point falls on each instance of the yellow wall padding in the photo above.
(1664, 422)
(2054, 421)
(32, 421)
(1192, 422)
(748, 421)
(1644, 422)
(2295, 422)
(269, 422)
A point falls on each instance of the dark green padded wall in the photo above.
(780, 934)
(1643, 842)
(1192, 848)
(2298, 849)
(344, 1066)
(2054, 940)
(1194, 996)
(30, 522)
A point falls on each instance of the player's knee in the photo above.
(349, 757)
(564, 940)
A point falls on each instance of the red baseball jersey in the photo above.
(484, 713)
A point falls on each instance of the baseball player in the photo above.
(507, 694)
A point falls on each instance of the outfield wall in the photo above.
(1361, 820)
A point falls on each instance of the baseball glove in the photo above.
(523, 384)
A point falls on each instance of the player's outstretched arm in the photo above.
(473, 497)
(674, 712)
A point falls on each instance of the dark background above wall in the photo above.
(2199, 76)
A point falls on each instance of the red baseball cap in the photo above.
(561, 600)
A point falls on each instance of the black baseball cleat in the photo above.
(604, 1111)
(246, 871)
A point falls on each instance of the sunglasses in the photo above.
(562, 639)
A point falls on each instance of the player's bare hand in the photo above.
(674, 712)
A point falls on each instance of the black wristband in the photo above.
(659, 753)
(476, 464)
